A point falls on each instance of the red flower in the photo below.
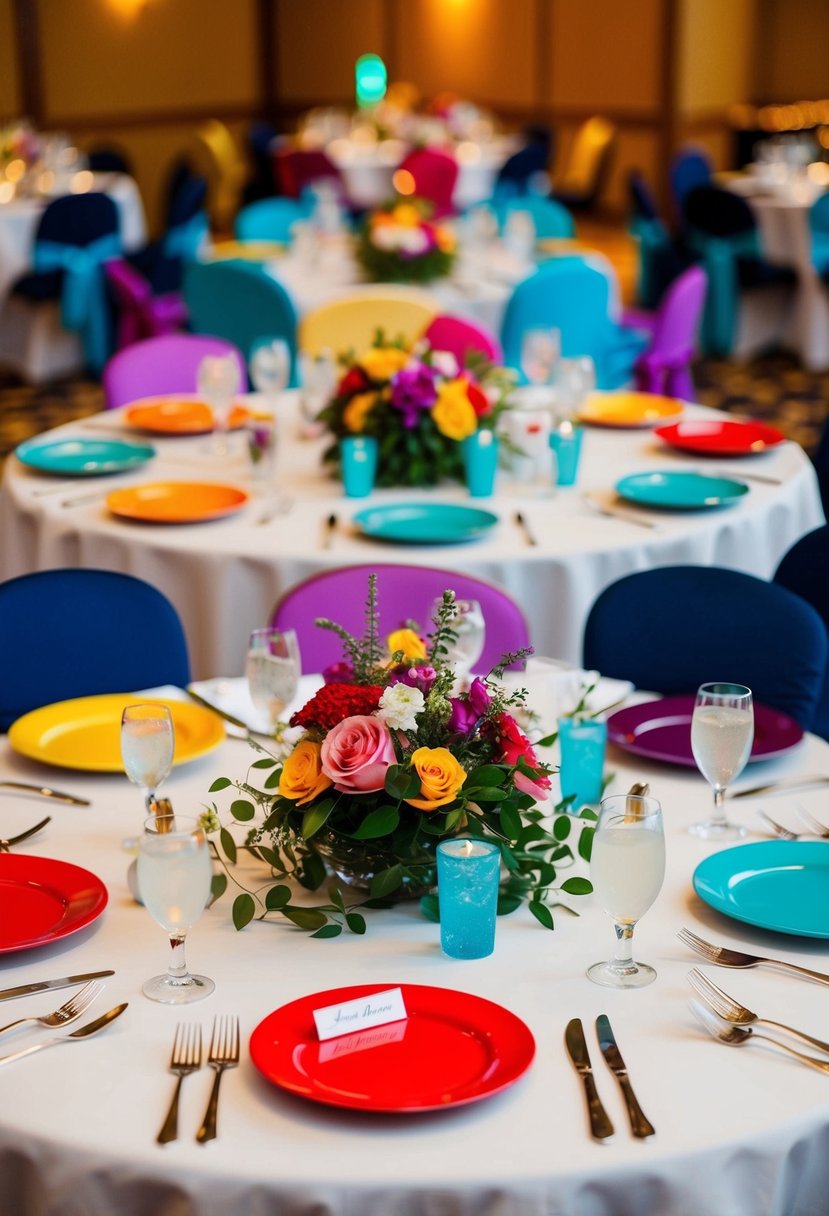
(334, 702)
(478, 399)
(513, 745)
(355, 380)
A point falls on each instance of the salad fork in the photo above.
(779, 830)
(732, 1011)
(737, 1036)
(816, 827)
(186, 1058)
(68, 1012)
(724, 957)
(224, 1053)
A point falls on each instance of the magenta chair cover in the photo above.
(168, 364)
(404, 593)
(140, 313)
(435, 173)
(460, 337)
(665, 366)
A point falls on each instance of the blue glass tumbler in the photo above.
(358, 465)
(468, 877)
(565, 442)
(480, 462)
(582, 742)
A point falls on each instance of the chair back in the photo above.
(225, 169)
(297, 168)
(819, 215)
(167, 364)
(107, 159)
(804, 570)
(588, 162)
(550, 219)
(674, 628)
(404, 593)
(78, 219)
(240, 302)
(689, 168)
(353, 321)
(716, 212)
(642, 203)
(520, 170)
(462, 337)
(434, 175)
(75, 633)
(270, 219)
(665, 365)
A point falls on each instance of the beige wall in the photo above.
(605, 54)
(716, 53)
(793, 50)
(317, 43)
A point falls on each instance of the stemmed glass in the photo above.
(218, 384)
(147, 745)
(270, 368)
(470, 630)
(627, 868)
(540, 352)
(273, 669)
(575, 380)
(174, 876)
(722, 732)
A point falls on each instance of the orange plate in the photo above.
(629, 409)
(249, 251)
(177, 502)
(180, 415)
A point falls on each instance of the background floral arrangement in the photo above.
(383, 762)
(400, 243)
(419, 405)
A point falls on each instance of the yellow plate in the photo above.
(176, 502)
(85, 733)
(629, 409)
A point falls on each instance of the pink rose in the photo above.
(356, 753)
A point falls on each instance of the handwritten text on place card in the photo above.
(374, 1010)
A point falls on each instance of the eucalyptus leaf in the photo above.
(332, 929)
(577, 886)
(228, 845)
(542, 914)
(244, 910)
(221, 783)
(356, 922)
(242, 810)
(315, 817)
(386, 881)
(381, 822)
(305, 918)
(277, 898)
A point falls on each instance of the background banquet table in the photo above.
(225, 576)
(739, 1133)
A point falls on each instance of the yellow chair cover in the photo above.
(589, 147)
(351, 322)
(226, 171)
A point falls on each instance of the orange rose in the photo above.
(441, 777)
(357, 410)
(302, 776)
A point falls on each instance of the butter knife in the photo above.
(68, 981)
(600, 1126)
(641, 1127)
(782, 784)
(45, 792)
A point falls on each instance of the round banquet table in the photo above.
(225, 576)
(739, 1133)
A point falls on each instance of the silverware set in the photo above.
(601, 1126)
(64, 1015)
(186, 1059)
(815, 828)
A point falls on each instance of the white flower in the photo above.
(446, 363)
(399, 707)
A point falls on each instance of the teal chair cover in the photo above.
(271, 219)
(719, 256)
(83, 302)
(551, 219)
(653, 241)
(185, 240)
(819, 225)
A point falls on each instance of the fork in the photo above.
(224, 1053)
(186, 1058)
(68, 1012)
(732, 1011)
(737, 1036)
(5, 845)
(724, 957)
(779, 830)
(817, 828)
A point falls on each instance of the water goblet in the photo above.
(174, 876)
(273, 669)
(722, 731)
(540, 352)
(270, 368)
(147, 745)
(627, 868)
(217, 381)
(470, 631)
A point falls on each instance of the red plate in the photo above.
(720, 437)
(452, 1048)
(42, 900)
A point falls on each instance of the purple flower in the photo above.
(422, 677)
(463, 718)
(479, 698)
(412, 390)
(339, 673)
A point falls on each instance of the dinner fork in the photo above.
(725, 957)
(779, 830)
(732, 1011)
(817, 828)
(5, 845)
(737, 1036)
(186, 1058)
(68, 1012)
(224, 1053)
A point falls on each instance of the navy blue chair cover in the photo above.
(517, 173)
(161, 262)
(108, 160)
(688, 169)
(676, 627)
(75, 633)
(805, 571)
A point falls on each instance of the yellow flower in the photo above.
(445, 239)
(453, 413)
(355, 413)
(302, 776)
(441, 777)
(406, 215)
(381, 362)
(413, 646)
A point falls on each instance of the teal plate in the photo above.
(83, 457)
(424, 523)
(774, 884)
(680, 491)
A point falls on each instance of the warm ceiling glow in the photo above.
(127, 9)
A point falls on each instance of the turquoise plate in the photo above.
(424, 523)
(680, 491)
(83, 457)
(774, 884)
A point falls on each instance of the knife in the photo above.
(618, 512)
(782, 783)
(68, 981)
(600, 1126)
(44, 792)
(521, 520)
(330, 528)
(641, 1127)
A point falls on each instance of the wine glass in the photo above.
(273, 668)
(627, 867)
(147, 745)
(540, 352)
(470, 631)
(575, 379)
(270, 367)
(174, 876)
(722, 732)
(217, 381)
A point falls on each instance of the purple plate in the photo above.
(661, 730)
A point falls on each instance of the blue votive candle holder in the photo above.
(468, 877)
(480, 462)
(358, 465)
(581, 773)
(565, 442)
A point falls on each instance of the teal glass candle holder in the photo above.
(582, 742)
(358, 465)
(468, 877)
(480, 462)
(565, 442)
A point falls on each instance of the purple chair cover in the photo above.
(404, 593)
(140, 313)
(435, 173)
(460, 336)
(665, 366)
(167, 364)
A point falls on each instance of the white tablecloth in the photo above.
(224, 577)
(739, 1133)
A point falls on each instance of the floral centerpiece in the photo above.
(400, 243)
(419, 405)
(384, 761)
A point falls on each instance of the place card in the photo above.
(374, 1010)
(362, 1040)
